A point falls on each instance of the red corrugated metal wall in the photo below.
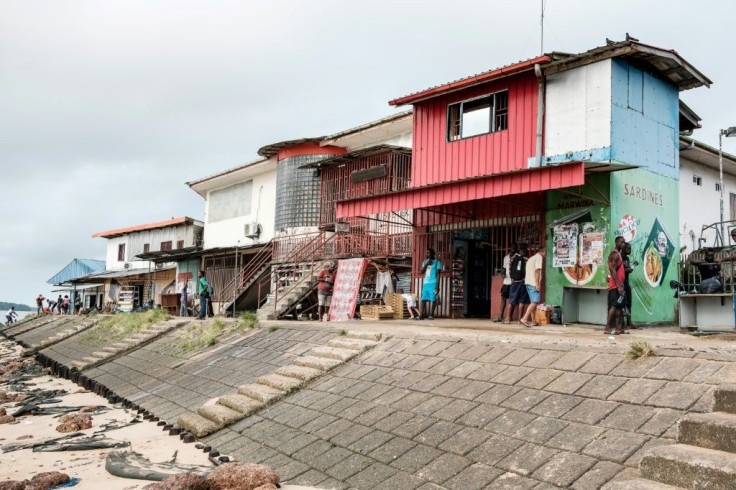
(436, 160)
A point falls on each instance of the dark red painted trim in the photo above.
(311, 148)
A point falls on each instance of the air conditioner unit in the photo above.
(252, 230)
(126, 265)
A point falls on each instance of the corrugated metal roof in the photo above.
(271, 150)
(99, 277)
(149, 226)
(77, 268)
(363, 127)
(363, 152)
(225, 172)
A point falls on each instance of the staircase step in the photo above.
(321, 363)
(300, 372)
(715, 430)
(262, 393)
(279, 382)
(373, 336)
(197, 425)
(725, 398)
(351, 344)
(637, 484)
(690, 467)
(220, 414)
(333, 353)
(241, 403)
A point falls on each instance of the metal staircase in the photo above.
(251, 273)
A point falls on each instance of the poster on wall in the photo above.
(565, 245)
(592, 249)
(656, 254)
(347, 285)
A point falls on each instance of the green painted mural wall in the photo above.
(645, 210)
(190, 266)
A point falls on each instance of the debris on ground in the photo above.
(74, 423)
(41, 481)
(180, 481)
(129, 464)
(243, 476)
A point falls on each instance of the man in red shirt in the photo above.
(326, 280)
(616, 294)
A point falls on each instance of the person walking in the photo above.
(325, 283)
(203, 285)
(59, 304)
(431, 268)
(616, 292)
(39, 304)
(506, 267)
(533, 283)
(11, 316)
(517, 289)
(184, 299)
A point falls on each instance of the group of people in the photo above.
(521, 291)
(62, 305)
(205, 298)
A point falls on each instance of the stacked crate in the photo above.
(396, 301)
(376, 312)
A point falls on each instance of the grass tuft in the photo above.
(273, 328)
(247, 320)
(342, 332)
(640, 348)
(118, 327)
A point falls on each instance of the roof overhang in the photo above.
(184, 220)
(273, 149)
(373, 133)
(171, 255)
(233, 176)
(364, 152)
(472, 81)
(497, 185)
(666, 64)
(101, 277)
(697, 152)
(689, 120)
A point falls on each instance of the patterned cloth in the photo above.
(345, 292)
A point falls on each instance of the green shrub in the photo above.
(640, 348)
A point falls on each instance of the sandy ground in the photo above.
(88, 466)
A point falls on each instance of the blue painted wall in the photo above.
(644, 120)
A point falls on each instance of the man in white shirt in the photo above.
(11, 316)
(513, 249)
(533, 281)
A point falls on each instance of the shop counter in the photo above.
(585, 304)
(708, 312)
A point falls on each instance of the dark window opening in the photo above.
(166, 245)
(482, 115)
(146, 247)
(180, 244)
(121, 252)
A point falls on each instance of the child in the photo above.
(411, 303)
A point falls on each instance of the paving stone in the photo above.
(564, 468)
(569, 383)
(527, 459)
(600, 474)
(370, 442)
(591, 411)
(497, 394)
(396, 419)
(401, 481)
(375, 414)
(575, 437)
(437, 433)
(474, 477)
(430, 486)
(332, 429)
(556, 405)
(349, 467)
(416, 458)
(464, 441)
(444, 366)
(487, 372)
(347, 437)
(392, 450)
(635, 458)
(443, 468)
(292, 470)
(450, 386)
(662, 420)
(677, 395)
(494, 449)
(628, 417)
(539, 378)
(481, 416)
(372, 476)
(433, 404)
(391, 396)
(455, 409)
(512, 481)
(329, 458)
(524, 400)
(464, 369)
(518, 357)
(615, 445)
(429, 382)
(436, 347)
(494, 355)
(510, 422)
(703, 372)
(413, 426)
(511, 375)
(309, 478)
(543, 359)
(672, 369)
(636, 391)
(601, 364)
(601, 387)
(572, 361)
(372, 393)
(473, 389)
(541, 430)
(313, 451)
(354, 411)
(635, 368)
(410, 401)
(474, 352)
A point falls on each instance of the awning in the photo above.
(100, 277)
(499, 185)
(171, 255)
(78, 287)
(583, 214)
(77, 268)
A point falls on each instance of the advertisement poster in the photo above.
(656, 254)
(565, 244)
(592, 249)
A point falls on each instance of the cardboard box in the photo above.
(542, 317)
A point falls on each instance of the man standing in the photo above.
(203, 285)
(431, 268)
(513, 249)
(517, 289)
(184, 300)
(533, 283)
(616, 292)
(39, 304)
(628, 269)
(326, 281)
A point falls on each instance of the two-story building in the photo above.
(128, 280)
(561, 151)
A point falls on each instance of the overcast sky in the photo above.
(108, 107)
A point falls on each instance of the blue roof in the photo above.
(77, 268)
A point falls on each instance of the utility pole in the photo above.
(541, 22)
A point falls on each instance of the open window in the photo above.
(481, 115)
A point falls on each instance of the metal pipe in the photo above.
(720, 171)
(540, 111)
